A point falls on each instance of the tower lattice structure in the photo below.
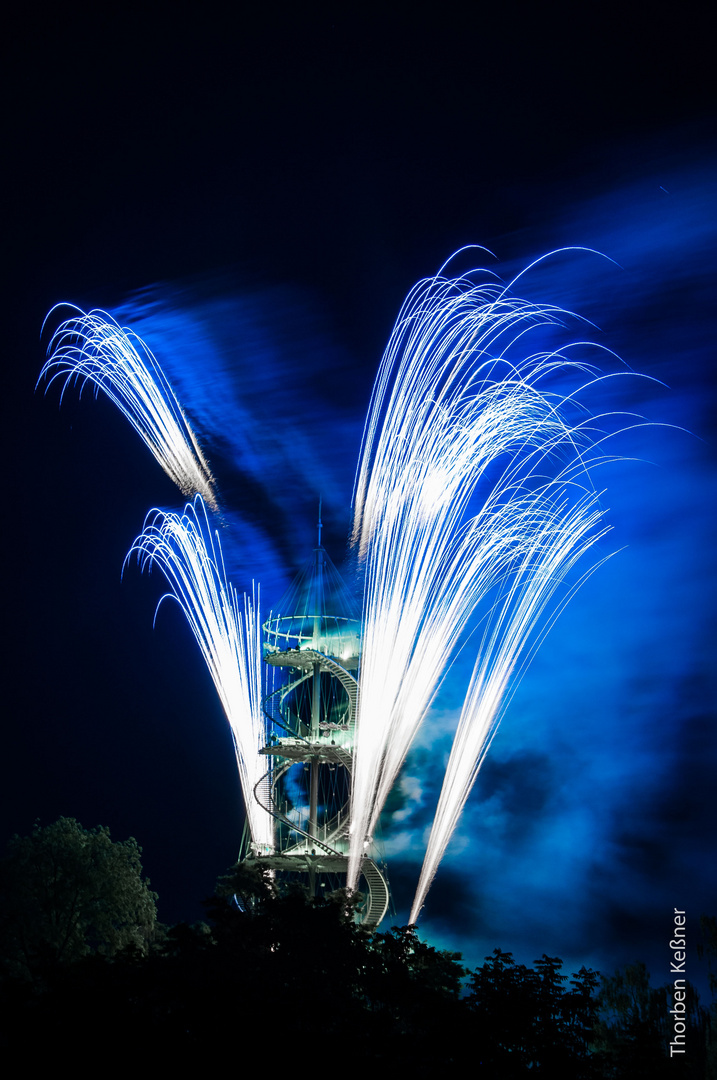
(311, 648)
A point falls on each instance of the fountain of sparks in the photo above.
(227, 632)
(472, 505)
(94, 348)
(557, 537)
(457, 516)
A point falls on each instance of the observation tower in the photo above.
(311, 648)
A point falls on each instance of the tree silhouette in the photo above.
(276, 963)
(527, 1023)
(67, 892)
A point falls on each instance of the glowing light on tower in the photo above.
(94, 348)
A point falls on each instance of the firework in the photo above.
(94, 348)
(473, 503)
(457, 507)
(556, 536)
(227, 631)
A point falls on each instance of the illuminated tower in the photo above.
(311, 647)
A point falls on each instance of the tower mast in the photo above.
(311, 648)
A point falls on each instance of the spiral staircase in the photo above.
(311, 647)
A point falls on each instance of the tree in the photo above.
(708, 948)
(635, 1028)
(249, 886)
(67, 892)
(525, 1022)
(415, 968)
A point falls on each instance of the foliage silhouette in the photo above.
(634, 1029)
(68, 892)
(275, 966)
(527, 1023)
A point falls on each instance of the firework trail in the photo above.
(555, 539)
(94, 348)
(454, 506)
(228, 634)
(457, 511)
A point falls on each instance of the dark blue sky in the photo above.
(258, 199)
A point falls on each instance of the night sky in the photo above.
(256, 198)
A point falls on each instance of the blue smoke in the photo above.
(584, 829)
(269, 394)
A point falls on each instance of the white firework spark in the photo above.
(556, 536)
(472, 493)
(228, 634)
(454, 505)
(94, 348)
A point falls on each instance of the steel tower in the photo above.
(311, 647)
